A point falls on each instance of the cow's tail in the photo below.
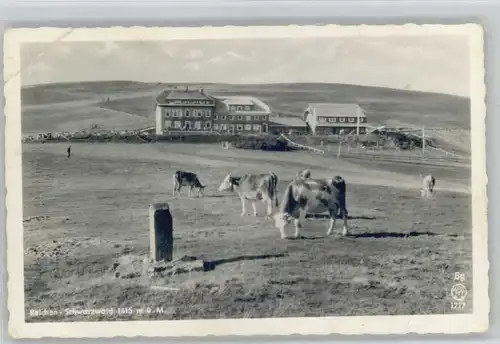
(273, 188)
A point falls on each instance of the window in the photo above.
(351, 119)
(239, 108)
(342, 119)
(232, 108)
(240, 117)
(187, 113)
(207, 113)
(215, 116)
(216, 126)
(168, 124)
(230, 117)
(197, 125)
(177, 124)
(174, 112)
(223, 126)
(167, 113)
(363, 120)
(248, 127)
(256, 127)
(231, 126)
(248, 118)
(334, 119)
(247, 107)
(331, 119)
(222, 117)
(239, 127)
(208, 125)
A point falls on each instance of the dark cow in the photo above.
(253, 187)
(313, 196)
(189, 179)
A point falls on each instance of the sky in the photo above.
(421, 63)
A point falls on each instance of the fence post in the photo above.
(161, 232)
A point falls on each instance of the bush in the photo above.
(267, 143)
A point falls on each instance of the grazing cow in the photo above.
(312, 196)
(253, 187)
(189, 179)
(304, 174)
(428, 184)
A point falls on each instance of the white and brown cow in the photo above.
(253, 187)
(314, 196)
(189, 179)
(428, 184)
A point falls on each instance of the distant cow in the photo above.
(312, 196)
(189, 179)
(253, 187)
(428, 184)
(304, 174)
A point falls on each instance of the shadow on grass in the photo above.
(395, 234)
(211, 265)
(326, 216)
(376, 235)
(301, 237)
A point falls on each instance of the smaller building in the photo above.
(287, 125)
(241, 114)
(335, 119)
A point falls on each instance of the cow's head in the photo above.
(281, 220)
(228, 183)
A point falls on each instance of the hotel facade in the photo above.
(194, 110)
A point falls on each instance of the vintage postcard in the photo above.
(257, 180)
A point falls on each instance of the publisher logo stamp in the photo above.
(459, 292)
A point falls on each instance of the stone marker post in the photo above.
(161, 232)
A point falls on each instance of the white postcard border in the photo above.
(447, 324)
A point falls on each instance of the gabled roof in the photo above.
(224, 102)
(337, 110)
(181, 94)
(287, 121)
(238, 101)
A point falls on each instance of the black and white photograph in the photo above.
(292, 180)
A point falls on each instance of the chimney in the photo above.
(201, 90)
(187, 88)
